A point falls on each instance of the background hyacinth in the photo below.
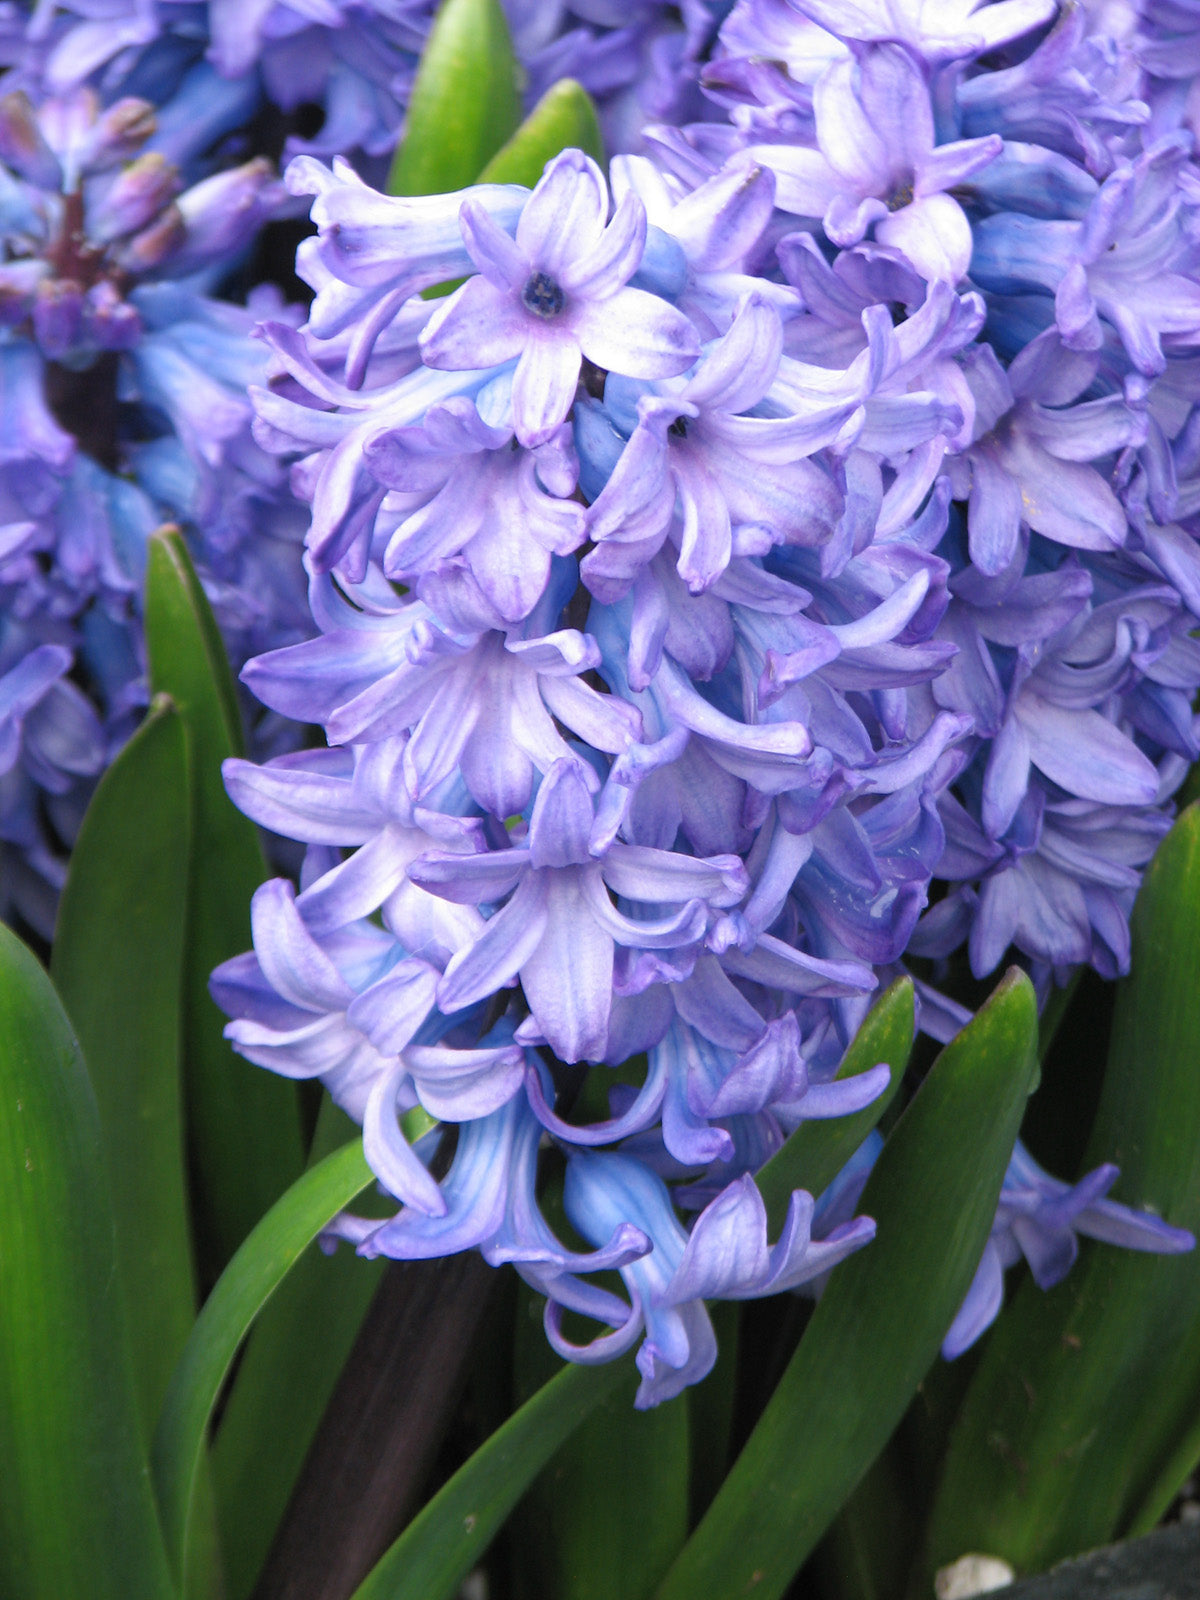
(702, 503)
(735, 586)
(134, 196)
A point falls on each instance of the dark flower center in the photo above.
(679, 428)
(542, 296)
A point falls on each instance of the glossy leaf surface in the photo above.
(244, 1125)
(1078, 1416)
(256, 1271)
(881, 1319)
(77, 1519)
(564, 118)
(118, 966)
(465, 103)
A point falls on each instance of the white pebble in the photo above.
(972, 1575)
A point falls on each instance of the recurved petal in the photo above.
(291, 959)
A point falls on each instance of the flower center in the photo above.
(542, 296)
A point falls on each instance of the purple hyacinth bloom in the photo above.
(556, 293)
(460, 487)
(772, 611)
(559, 929)
(878, 162)
(726, 1256)
(1030, 459)
(1041, 1218)
(734, 476)
(1132, 260)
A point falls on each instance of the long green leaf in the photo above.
(77, 1518)
(256, 1271)
(563, 118)
(243, 1123)
(817, 1151)
(284, 1380)
(118, 966)
(609, 1514)
(447, 1537)
(465, 103)
(1076, 1419)
(879, 1323)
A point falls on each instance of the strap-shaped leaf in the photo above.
(465, 103)
(447, 1537)
(878, 1325)
(243, 1123)
(256, 1271)
(609, 1514)
(77, 1519)
(118, 966)
(817, 1151)
(1075, 1425)
(284, 1380)
(564, 118)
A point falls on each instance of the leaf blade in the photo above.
(450, 1533)
(878, 1325)
(70, 1452)
(117, 963)
(465, 102)
(243, 1123)
(252, 1276)
(564, 118)
(1067, 1428)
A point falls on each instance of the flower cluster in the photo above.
(124, 403)
(736, 587)
(127, 202)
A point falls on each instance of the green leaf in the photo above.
(243, 1123)
(882, 1317)
(465, 103)
(77, 1519)
(563, 119)
(711, 1406)
(447, 1537)
(118, 966)
(817, 1151)
(1074, 1429)
(609, 1514)
(284, 1380)
(256, 1271)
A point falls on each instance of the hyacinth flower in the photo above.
(555, 293)
(725, 1256)
(877, 162)
(757, 581)
(1041, 1219)
(357, 59)
(129, 385)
